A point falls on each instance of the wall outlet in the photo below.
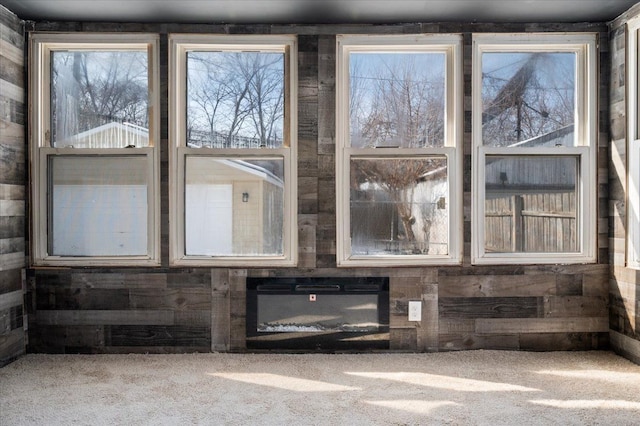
(415, 310)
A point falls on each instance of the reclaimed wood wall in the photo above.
(624, 311)
(201, 309)
(12, 187)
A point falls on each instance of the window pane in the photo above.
(99, 99)
(98, 206)
(530, 204)
(397, 99)
(234, 207)
(528, 99)
(399, 206)
(235, 99)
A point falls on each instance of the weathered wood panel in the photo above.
(563, 341)
(13, 175)
(574, 306)
(238, 309)
(220, 310)
(542, 325)
(105, 317)
(626, 346)
(132, 335)
(458, 342)
(624, 287)
(497, 286)
(428, 331)
(173, 299)
(489, 307)
(403, 339)
(11, 346)
(61, 298)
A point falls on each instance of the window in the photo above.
(633, 135)
(534, 156)
(233, 142)
(94, 135)
(398, 161)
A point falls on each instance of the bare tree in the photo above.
(400, 104)
(404, 106)
(398, 178)
(207, 98)
(93, 88)
(238, 94)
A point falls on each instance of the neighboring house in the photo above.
(231, 209)
(109, 135)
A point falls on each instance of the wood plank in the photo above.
(12, 192)
(193, 278)
(105, 317)
(428, 332)
(569, 284)
(87, 336)
(12, 227)
(220, 310)
(155, 350)
(10, 281)
(9, 90)
(12, 245)
(195, 318)
(456, 326)
(457, 342)
(595, 284)
(110, 280)
(307, 246)
(65, 298)
(173, 299)
(563, 341)
(626, 346)
(497, 286)
(9, 300)
(489, 307)
(627, 291)
(12, 346)
(12, 261)
(157, 335)
(12, 207)
(11, 27)
(403, 339)
(237, 309)
(574, 306)
(542, 325)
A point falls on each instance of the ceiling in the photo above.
(318, 11)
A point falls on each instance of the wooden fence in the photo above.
(543, 223)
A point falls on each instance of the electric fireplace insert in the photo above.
(325, 314)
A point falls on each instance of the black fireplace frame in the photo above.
(317, 341)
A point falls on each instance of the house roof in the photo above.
(318, 11)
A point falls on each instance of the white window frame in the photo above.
(633, 141)
(179, 46)
(451, 46)
(41, 47)
(585, 48)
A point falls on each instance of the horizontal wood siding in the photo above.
(168, 310)
(12, 187)
(100, 312)
(624, 284)
(506, 309)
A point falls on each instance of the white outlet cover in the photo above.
(415, 310)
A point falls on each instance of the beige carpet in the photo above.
(461, 388)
